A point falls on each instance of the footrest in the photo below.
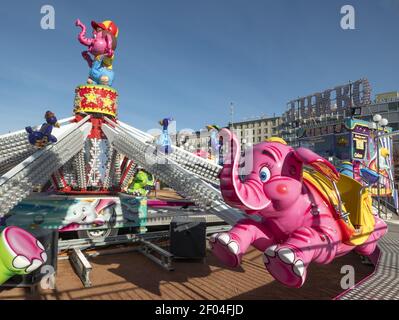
(162, 257)
(82, 266)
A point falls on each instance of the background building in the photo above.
(387, 105)
(256, 130)
(316, 121)
(324, 112)
(249, 131)
(194, 141)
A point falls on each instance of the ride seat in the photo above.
(356, 200)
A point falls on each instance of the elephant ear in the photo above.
(102, 204)
(317, 162)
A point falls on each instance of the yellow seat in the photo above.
(355, 201)
(359, 203)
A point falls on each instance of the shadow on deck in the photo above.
(383, 284)
(131, 276)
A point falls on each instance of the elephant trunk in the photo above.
(82, 36)
(248, 195)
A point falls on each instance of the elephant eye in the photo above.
(292, 171)
(264, 174)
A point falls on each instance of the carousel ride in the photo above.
(294, 215)
(92, 156)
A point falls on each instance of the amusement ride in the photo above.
(293, 205)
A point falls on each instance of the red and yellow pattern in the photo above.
(96, 99)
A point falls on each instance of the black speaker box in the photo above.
(188, 237)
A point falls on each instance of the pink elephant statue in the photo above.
(296, 224)
(103, 42)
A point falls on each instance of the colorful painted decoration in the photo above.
(73, 214)
(164, 142)
(100, 50)
(40, 138)
(96, 99)
(215, 142)
(346, 168)
(364, 151)
(303, 218)
(88, 212)
(141, 184)
(99, 74)
(20, 253)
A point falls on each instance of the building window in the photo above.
(383, 108)
(393, 106)
(374, 109)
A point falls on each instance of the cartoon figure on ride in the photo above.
(141, 184)
(20, 253)
(88, 212)
(102, 47)
(40, 138)
(215, 143)
(99, 74)
(164, 143)
(302, 216)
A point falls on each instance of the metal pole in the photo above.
(378, 170)
(297, 127)
(350, 99)
(232, 115)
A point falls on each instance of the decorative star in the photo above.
(107, 102)
(91, 97)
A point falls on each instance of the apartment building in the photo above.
(255, 130)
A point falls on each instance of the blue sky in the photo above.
(190, 59)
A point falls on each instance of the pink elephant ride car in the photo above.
(304, 215)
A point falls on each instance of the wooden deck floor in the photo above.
(133, 276)
(164, 194)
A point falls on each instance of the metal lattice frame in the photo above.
(109, 167)
(79, 169)
(203, 168)
(129, 175)
(10, 161)
(14, 144)
(94, 163)
(117, 170)
(172, 173)
(15, 147)
(18, 183)
(70, 175)
(57, 179)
